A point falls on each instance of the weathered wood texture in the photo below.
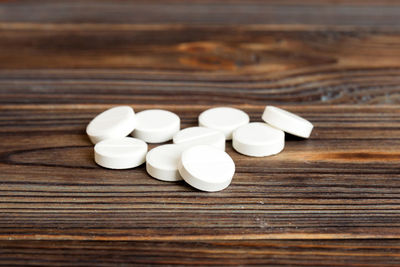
(330, 200)
(219, 253)
(369, 13)
(204, 65)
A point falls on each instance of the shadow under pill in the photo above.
(291, 137)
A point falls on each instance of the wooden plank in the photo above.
(341, 183)
(354, 12)
(245, 252)
(225, 65)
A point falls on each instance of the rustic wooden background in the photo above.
(331, 200)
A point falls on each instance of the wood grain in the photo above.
(331, 200)
(368, 13)
(205, 64)
(341, 183)
(245, 252)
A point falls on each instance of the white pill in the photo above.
(287, 121)
(121, 153)
(224, 119)
(115, 122)
(200, 136)
(206, 168)
(156, 125)
(258, 139)
(162, 162)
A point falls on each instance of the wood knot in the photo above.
(207, 55)
(199, 47)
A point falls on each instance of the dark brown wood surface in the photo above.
(331, 200)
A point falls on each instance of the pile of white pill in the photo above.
(197, 154)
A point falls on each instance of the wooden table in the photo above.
(332, 200)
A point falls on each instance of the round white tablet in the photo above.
(258, 139)
(115, 122)
(162, 162)
(121, 153)
(287, 121)
(156, 125)
(224, 119)
(206, 168)
(200, 136)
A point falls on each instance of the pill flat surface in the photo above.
(121, 153)
(156, 125)
(257, 139)
(162, 162)
(200, 136)
(115, 122)
(287, 121)
(224, 119)
(206, 168)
